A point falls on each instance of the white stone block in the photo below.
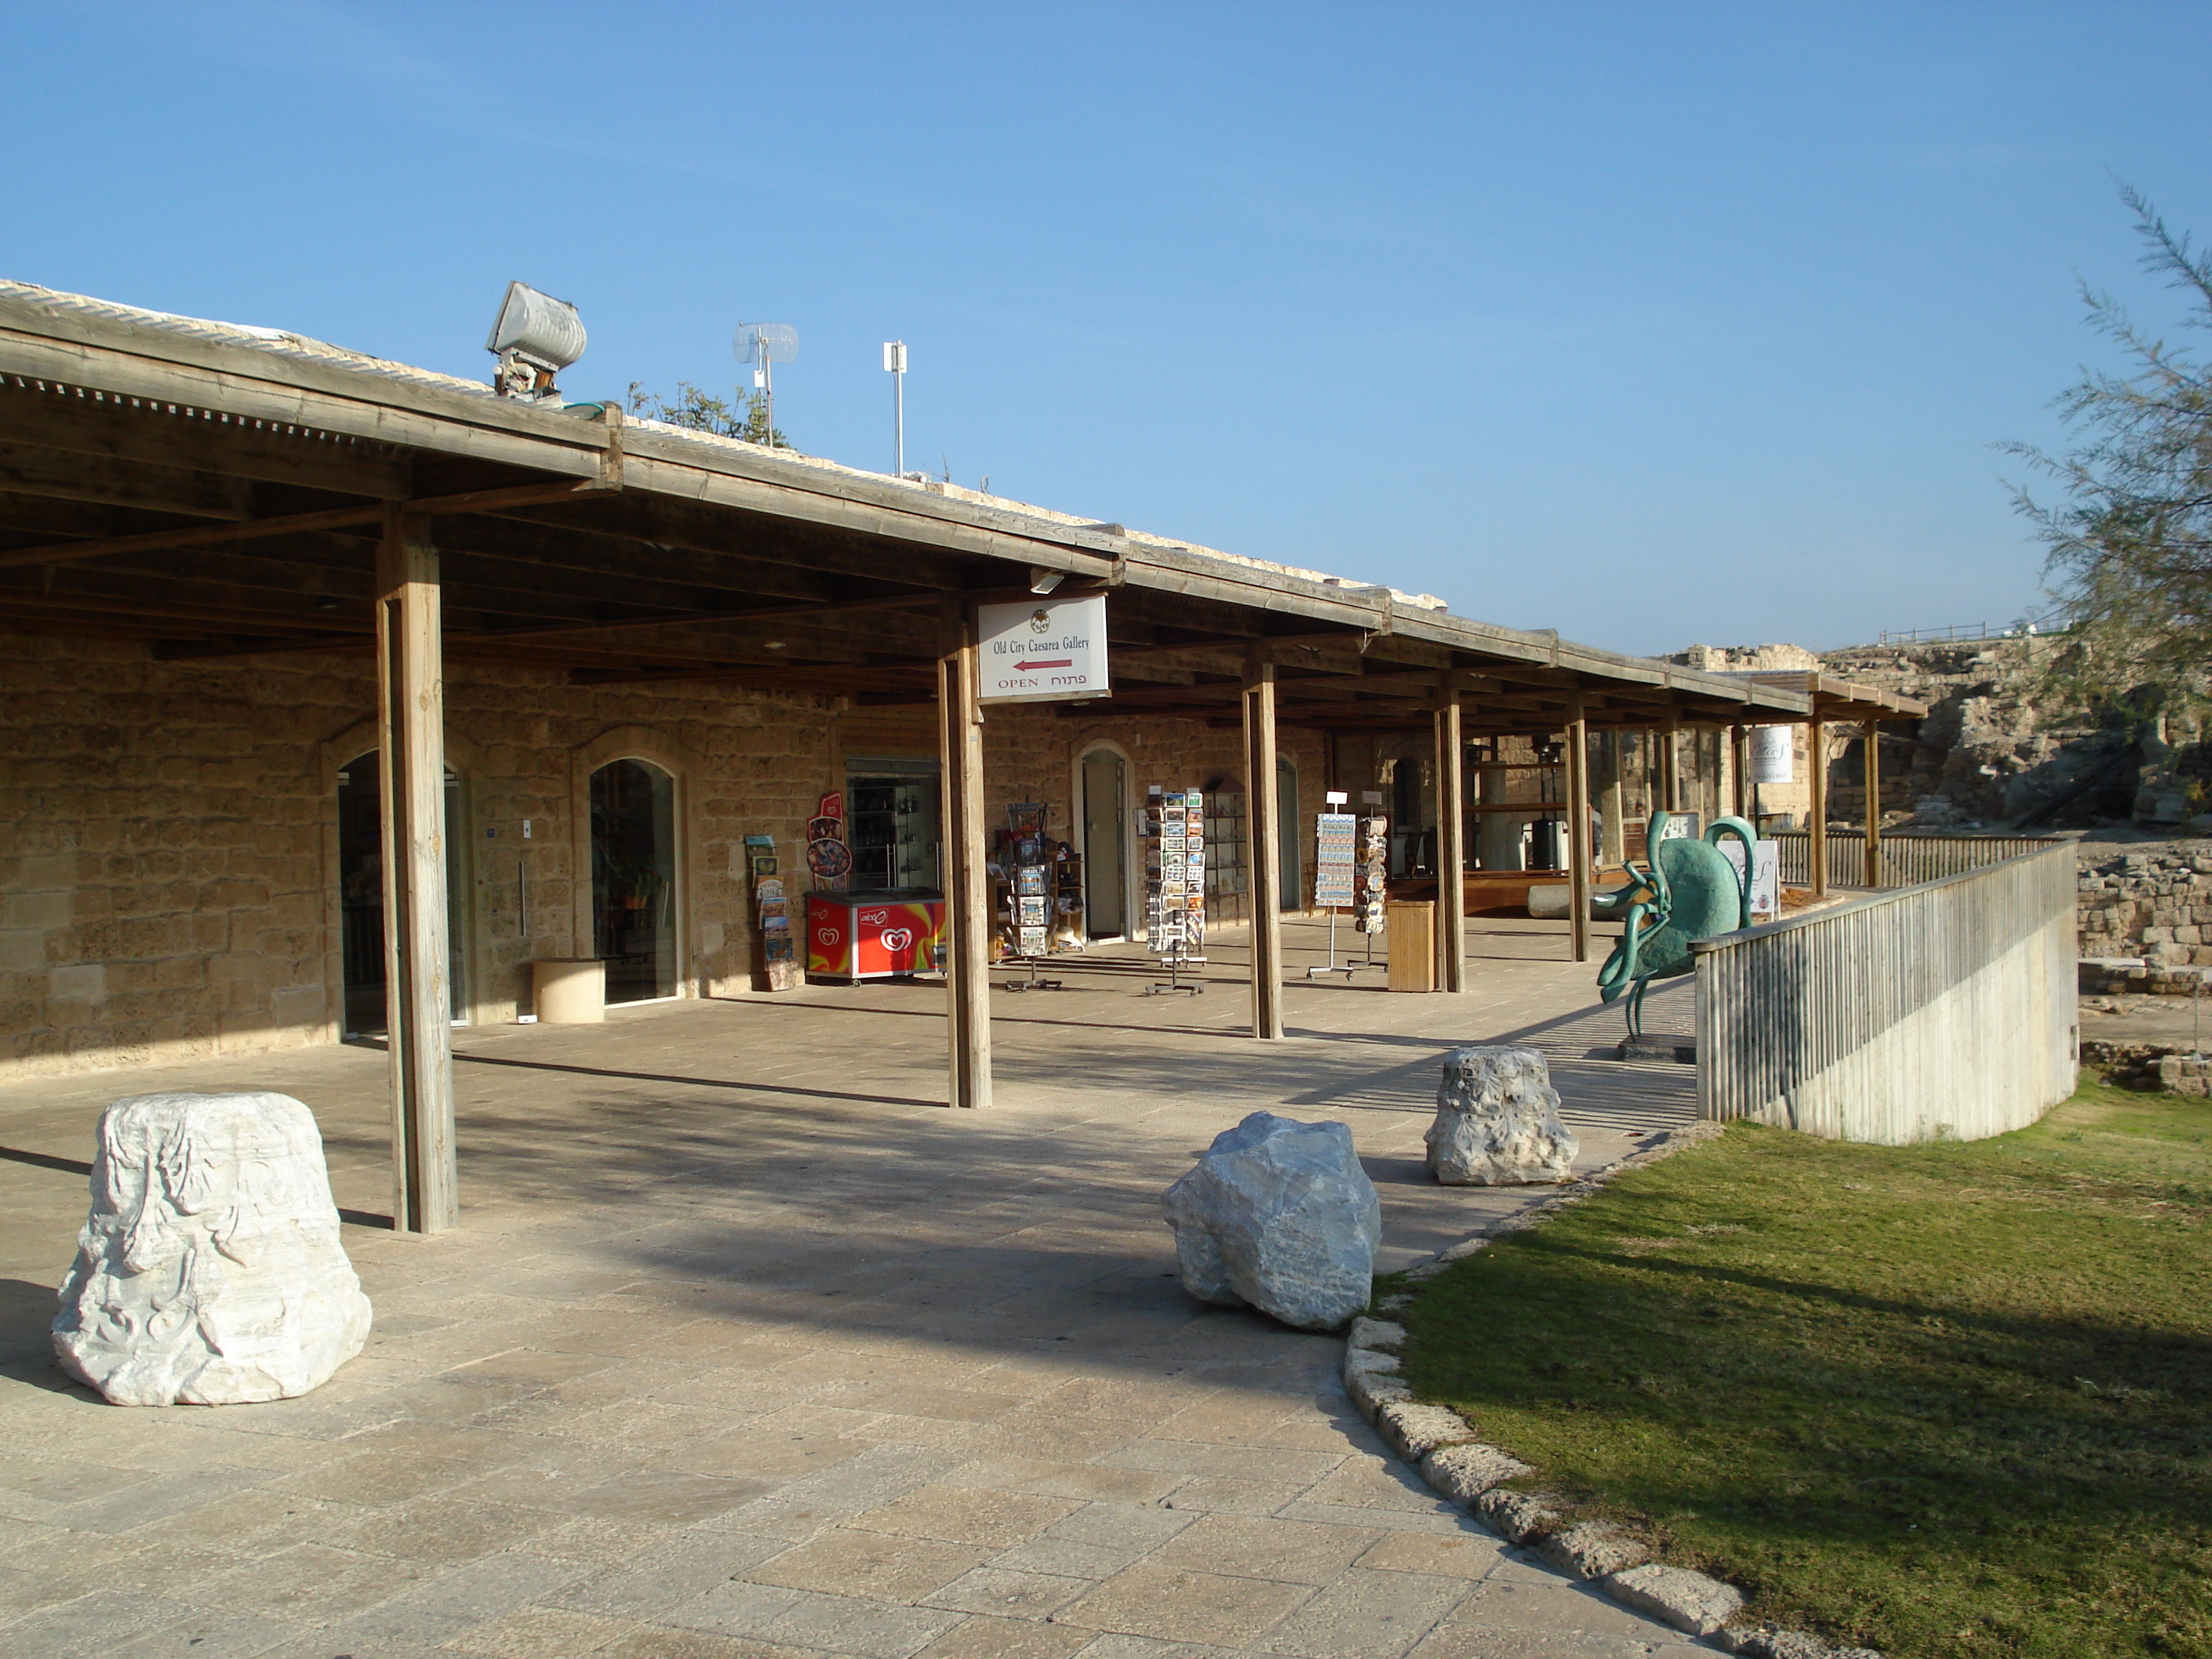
(1498, 1121)
(1280, 1215)
(209, 1270)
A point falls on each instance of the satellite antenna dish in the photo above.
(764, 345)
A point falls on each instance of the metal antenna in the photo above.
(763, 345)
(895, 365)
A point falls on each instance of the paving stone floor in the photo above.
(748, 1348)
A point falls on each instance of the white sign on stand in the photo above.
(1766, 875)
(1043, 651)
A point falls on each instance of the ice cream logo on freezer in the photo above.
(874, 918)
(898, 938)
(827, 935)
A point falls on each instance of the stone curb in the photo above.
(1460, 1467)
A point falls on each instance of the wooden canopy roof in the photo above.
(219, 491)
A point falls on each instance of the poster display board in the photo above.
(1336, 840)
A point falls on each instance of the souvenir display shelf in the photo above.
(1227, 877)
(1371, 870)
(891, 830)
(1173, 826)
(771, 914)
(1336, 846)
(1036, 894)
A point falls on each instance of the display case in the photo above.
(890, 825)
(884, 934)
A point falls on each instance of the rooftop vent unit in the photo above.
(535, 337)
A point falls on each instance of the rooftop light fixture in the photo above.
(535, 337)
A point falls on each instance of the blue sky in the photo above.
(1652, 322)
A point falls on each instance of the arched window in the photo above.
(633, 896)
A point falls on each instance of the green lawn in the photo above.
(1945, 1399)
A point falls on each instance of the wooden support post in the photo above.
(1740, 770)
(1671, 766)
(410, 732)
(967, 887)
(1451, 843)
(1263, 851)
(1612, 802)
(1816, 772)
(1578, 835)
(1872, 804)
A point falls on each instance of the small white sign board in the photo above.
(1766, 875)
(1043, 651)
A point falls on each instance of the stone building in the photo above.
(336, 688)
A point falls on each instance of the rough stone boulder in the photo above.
(209, 1269)
(1278, 1214)
(1498, 1121)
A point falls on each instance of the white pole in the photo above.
(895, 361)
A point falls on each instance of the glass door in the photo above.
(634, 879)
(360, 895)
(1105, 842)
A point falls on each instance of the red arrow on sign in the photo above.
(1055, 662)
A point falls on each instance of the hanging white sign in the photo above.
(1773, 754)
(1043, 651)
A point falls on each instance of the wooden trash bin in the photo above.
(570, 993)
(1410, 938)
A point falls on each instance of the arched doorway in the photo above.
(633, 897)
(1289, 835)
(1103, 806)
(361, 895)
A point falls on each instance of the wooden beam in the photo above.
(1816, 766)
(1451, 843)
(967, 887)
(55, 473)
(733, 532)
(1578, 835)
(1263, 846)
(764, 613)
(177, 435)
(1670, 765)
(1740, 769)
(475, 501)
(411, 717)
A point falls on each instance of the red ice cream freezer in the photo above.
(874, 935)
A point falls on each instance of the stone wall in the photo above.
(2154, 903)
(169, 840)
(1031, 754)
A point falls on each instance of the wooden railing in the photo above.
(1905, 859)
(1944, 1010)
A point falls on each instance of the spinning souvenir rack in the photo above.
(1040, 895)
(1173, 823)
